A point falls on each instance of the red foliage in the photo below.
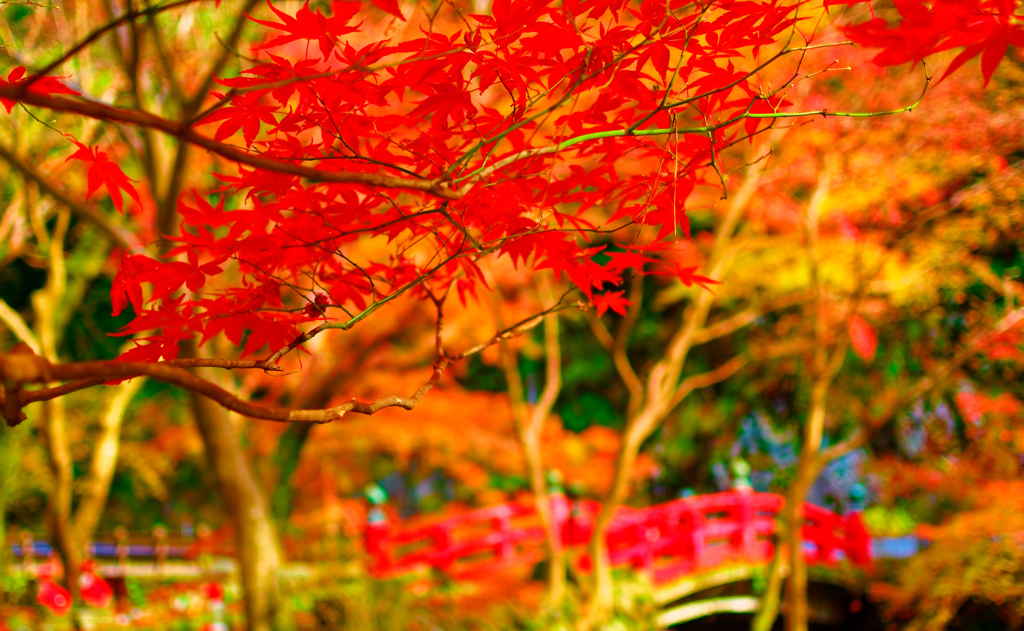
(39, 85)
(104, 172)
(863, 338)
(561, 134)
(982, 27)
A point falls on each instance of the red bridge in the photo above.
(669, 540)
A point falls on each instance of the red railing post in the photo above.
(698, 538)
(858, 540)
(444, 553)
(376, 541)
(506, 546)
(827, 539)
(746, 539)
(560, 514)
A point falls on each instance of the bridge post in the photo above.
(858, 540)
(698, 540)
(28, 553)
(502, 522)
(746, 540)
(122, 550)
(160, 548)
(560, 513)
(375, 541)
(442, 541)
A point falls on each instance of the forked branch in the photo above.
(25, 367)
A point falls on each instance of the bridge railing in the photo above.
(668, 540)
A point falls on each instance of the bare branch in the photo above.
(130, 16)
(228, 364)
(709, 378)
(15, 324)
(601, 332)
(19, 369)
(738, 321)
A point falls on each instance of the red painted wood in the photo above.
(668, 540)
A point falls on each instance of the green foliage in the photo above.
(888, 522)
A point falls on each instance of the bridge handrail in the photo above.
(668, 539)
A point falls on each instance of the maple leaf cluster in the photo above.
(459, 124)
(567, 136)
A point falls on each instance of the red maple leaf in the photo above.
(40, 85)
(389, 6)
(126, 286)
(314, 27)
(983, 27)
(613, 300)
(103, 171)
(241, 116)
(687, 276)
(863, 338)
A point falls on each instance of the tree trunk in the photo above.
(259, 552)
(796, 585)
(47, 303)
(662, 392)
(556, 569)
(766, 614)
(603, 598)
(824, 370)
(58, 505)
(104, 462)
(530, 431)
(788, 552)
(10, 443)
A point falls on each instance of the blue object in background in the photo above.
(896, 547)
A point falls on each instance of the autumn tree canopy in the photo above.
(386, 156)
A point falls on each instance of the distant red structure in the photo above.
(669, 540)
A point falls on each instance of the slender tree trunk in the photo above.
(104, 462)
(791, 546)
(765, 617)
(9, 463)
(662, 392)
(556, 568)
(47, 304)
(530, 430)
(824, 370)
(259, 552)
(58, 506)
(603, 598)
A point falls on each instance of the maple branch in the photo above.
(617, 345)
(23, 368)
(515, 330)
(302, 338)
(438, 187)
(484, 172)
(17, 369)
